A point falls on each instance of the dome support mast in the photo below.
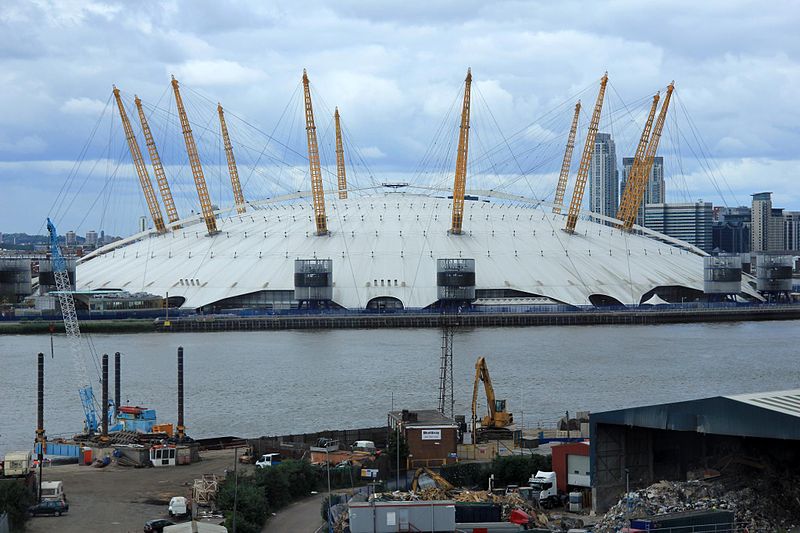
(561, 188)
(340, 171)
(141, 169)
(586, 160)
(158, 168)
(317, 191)
(460, 182)
(194, 161)
(640, 172)
(238, 197)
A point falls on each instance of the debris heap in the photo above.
(769, 505)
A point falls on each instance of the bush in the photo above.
(517, 469)
(15, 498)
(302, 477)
(274, 484)
(467, 474)
(251, 508)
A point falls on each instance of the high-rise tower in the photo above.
(603, 177)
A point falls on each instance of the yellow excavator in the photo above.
(498, 418)
(425, 478)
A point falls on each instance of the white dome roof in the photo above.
(394, 238)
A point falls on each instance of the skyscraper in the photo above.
(689, 222)
(655, 190)
(767, 224)
(603, 177)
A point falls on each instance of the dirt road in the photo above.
(301, 517)
(120, 500)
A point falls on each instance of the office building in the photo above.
(767, 234)
(689, 222)
(654, 192)
(91, 238)
(603, 177)
(731, 229)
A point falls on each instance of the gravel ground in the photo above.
(118, 499)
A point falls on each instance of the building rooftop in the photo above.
(421, 417)
(774, 415)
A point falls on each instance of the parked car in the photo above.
(178, 506)
(53, 507)
(157, 526)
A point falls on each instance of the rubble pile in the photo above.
(754, 507)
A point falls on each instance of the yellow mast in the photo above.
(141, 169)
(561, 188)
(628, 202)
(317, 192)
(460, 182)
(194, 161)
(158, 168)
(639, 180)
(238, 197)
(586, 159)
(340, 172)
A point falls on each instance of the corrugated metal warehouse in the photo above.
(674, 440)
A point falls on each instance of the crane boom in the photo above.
(638, 181)
(238, 197)
(194, 162)
(561, 188)
(340, 172)
(317, 191)
(586, 159)
(460, 182)
(141, 169)
(158, 168)
(627, 203)
(72, 329)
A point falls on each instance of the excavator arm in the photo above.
(498, 416)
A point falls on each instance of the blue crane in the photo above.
(73, 330)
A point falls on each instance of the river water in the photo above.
(275, 382)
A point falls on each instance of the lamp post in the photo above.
(235, 485)
(627, 495)
(328, 464)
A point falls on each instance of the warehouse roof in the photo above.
(774, 415)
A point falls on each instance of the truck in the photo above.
(17, 464)
(269, 459)
(544, 489)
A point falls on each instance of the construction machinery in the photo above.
(425, 478)
(73, 330)
(496, 423)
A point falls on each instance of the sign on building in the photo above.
(431, 434)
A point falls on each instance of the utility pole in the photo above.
(328, 463)
(235, 485)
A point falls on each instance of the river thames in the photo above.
(275, 382)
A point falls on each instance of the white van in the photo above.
(178, 506)
(364, 446)
(53, 490)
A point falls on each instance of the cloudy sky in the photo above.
(394, 70)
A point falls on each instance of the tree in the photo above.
(15, 498)
(251, 506)
(392, 449)
(517, 469)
